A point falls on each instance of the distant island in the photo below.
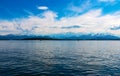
(62, 36)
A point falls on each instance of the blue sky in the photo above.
(23, 8)
(59, 16)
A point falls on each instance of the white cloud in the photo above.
(90, 22)
(7, 27)
(107, 0)
(43, 8)
(79, 8)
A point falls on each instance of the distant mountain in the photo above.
(21, 37)
(79, 36)
(61, 36)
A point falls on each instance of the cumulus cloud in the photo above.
(43, 8)
(47, 23)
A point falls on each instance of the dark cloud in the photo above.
(70, 27)
(115, 28)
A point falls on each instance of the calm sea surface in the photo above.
(59, 58)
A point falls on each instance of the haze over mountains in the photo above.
(61, 36)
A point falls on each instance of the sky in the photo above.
(45, 17)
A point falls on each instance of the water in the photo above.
(59, 58)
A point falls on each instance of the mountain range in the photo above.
(61, 36)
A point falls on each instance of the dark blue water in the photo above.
(59, 58)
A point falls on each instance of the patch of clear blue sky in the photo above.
(10, 9)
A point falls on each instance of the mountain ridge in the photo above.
(61, 36)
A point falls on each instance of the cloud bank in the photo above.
(47, 23)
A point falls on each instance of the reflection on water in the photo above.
(68, 58)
